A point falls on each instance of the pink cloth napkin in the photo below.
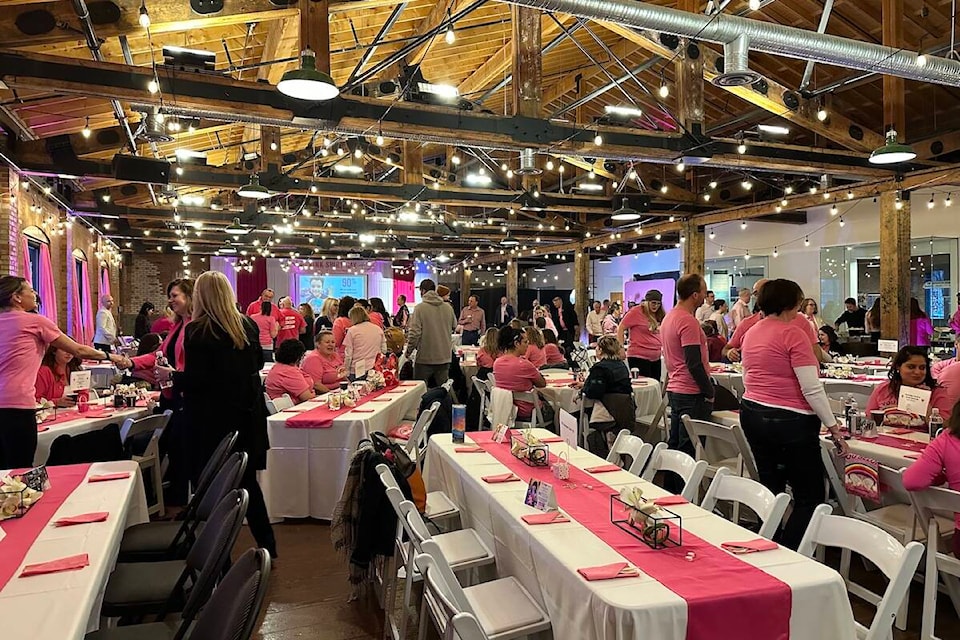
(361, 410)
(666, 501)
(554, 439)
(750, 546)
(550, 517)
(41, 428)
(603, 468)
(83, 518)
(609, 571)
(69, 563)
(104, 477)
(502, 477)
(380, 400)
(900, 432)
(912, 456)
(469, 449)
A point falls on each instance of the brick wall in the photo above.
(145, 276)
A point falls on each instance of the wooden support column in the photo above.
(693, 247)
(689, 71)
(513, 282)
(581, 285)
(527, 71)
(894, 112)
(895, 268)
(10, 261)
(315, 30)
(465, 278)
(270, 148)
(412, 162)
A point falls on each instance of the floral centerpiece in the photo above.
(843, 372)
(529, 449)
(376, 380)
(46, 410)
(16, 497)
(654, 525)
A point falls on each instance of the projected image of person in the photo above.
(314, 294)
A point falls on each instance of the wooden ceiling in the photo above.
(248, 36)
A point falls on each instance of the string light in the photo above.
(144, 16)
(86, 128)
(806, 242)
(598, 139)
(775, 252)
(931, 204)
(746, 184)
(712, 234)
(841, 221)
(721, 250)
(680, 166)
(743, 225)
(849, 195)
(834, 210)
(947, 202)
(664, 90)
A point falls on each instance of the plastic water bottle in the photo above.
(162, 362)
(936, 423)
(846, 411)
(853, 418)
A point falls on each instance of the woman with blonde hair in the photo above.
(488, 352)
(535, 353)
(222, 361)
(328, 313)
(811, 311)
(363, 343)
(643, 323)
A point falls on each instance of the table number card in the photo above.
(914, 400)
(79, 380)
(501, 434)
(568, 429)
(540, 496)
(888, 346)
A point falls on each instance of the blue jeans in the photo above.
(786, 447)
(685, 404)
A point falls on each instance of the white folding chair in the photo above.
(481, 388)
(502, 408)
(628, 444)
(150, 458)
(536, 418)
(679, 463)
(277, 405)
(416, 444)
(897, 562)
(933, 505)
(731, 488)
(503, 608)
(709, 437)
(656, 423)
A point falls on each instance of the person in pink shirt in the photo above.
(534, 352)
(910, 368)
(731, 350)
(269, 328)
(164, 323)
(551, 349)
(256, 305)
(921, 327)
(342, 322)
(291, 323)
(285, 377)
(363, 343)
(741, 308)
(784, 404)
(378, 313)
(487, 353)
(643, 323)
(689, 388)
(939, 463)
(324, 364)
(54, 374)
(513, 372)
(25, 336)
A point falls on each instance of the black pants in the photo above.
(470, 338)
(647, 368)
(18, 438)
(786, 446)
(102, 347)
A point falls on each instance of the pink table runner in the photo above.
(322, 417)
(895, 442)
(727, 599)
(23, 532)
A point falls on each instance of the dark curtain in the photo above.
(251, 284)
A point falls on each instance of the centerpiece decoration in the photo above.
(655, 526)
(16, 497)
(529, 449)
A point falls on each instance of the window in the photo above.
(33, 252)
(78, 274)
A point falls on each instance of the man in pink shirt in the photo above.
(265, 296)
(291, 322)
(689, 388)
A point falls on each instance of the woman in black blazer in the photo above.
(222, 391)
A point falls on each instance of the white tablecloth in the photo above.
(81, 425)
(890, 456)
(734, 382)
(100, 374)
(307, 468)
(66, 605)
(646, 393)
(545, 559)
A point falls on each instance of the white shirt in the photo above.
(738, 313)
(594, 324)
(722, 328)
(106, 328)
(704, 312)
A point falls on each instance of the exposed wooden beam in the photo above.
(895, 267)
(166, 16)
(947, 142)
(436, 17)
(689, 73)
(836, 128)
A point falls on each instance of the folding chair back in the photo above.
(628, 444)
(897, 562)
(768, 507)
(536, 418)
(934, 505)
(232, 611)
(726, 438)
(276, 405)
(141, 440)
(680, 463)
(842, 390)
(481, 388)
(417, 443)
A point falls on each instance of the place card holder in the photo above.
(659, 530)
(535, 455)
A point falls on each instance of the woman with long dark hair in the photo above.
(921, 328)
(378, 313)
(910, 368)
(307, 335)
(141, 325)
(222, 360)
(828, 341)
(54, 374)
(25, 336)
(343, 322)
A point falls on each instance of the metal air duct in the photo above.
(736, 70)
(766, 37)
(528, 164)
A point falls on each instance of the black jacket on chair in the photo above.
(222, 393)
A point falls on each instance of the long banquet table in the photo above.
(545, 560)
(307, 468)
(646, 392)
(66, 605)
(69, 421)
